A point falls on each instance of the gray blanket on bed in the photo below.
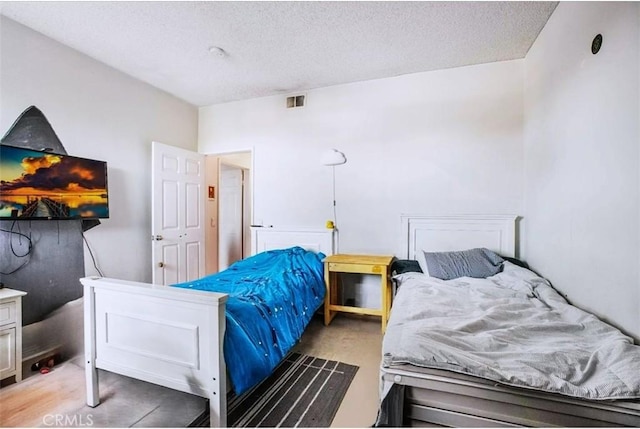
(513, 328)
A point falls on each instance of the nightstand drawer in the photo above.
(7, 313)
(356, 268)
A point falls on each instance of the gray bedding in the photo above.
(513, 328)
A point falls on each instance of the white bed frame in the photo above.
(450, 233)
(170, 336)
(437, 397)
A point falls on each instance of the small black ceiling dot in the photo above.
(596, 44)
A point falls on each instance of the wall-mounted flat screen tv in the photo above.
(44, 185)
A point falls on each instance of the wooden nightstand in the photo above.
(11, 333)
(360, 264)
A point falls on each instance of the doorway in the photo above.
(228, 209)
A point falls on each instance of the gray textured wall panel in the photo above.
(51, 278)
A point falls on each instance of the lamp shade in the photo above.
(333, 157)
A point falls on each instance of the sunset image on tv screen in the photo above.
(41, 185)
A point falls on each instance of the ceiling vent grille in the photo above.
(295, 101)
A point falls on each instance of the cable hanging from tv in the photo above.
(19, 255)
(93, 258)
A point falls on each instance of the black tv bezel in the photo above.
(38, 218)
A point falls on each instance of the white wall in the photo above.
(438, 142)
(582, 158)
(443, 142)
(100, 113)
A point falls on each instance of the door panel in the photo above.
(170, 205)
(193, 194)
(193, 250)
(171, 261)
(193, 167)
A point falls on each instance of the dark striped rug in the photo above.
(303, 391)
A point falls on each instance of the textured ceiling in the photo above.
(283, 47)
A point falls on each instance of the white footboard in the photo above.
(168, 336)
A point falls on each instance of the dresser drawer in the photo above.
(7, 312)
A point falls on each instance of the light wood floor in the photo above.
(39, 398)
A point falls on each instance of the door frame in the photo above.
(211, 222)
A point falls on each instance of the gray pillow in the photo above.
(479, 263)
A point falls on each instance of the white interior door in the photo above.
(230, 219)
(177, 230)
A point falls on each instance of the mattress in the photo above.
(503, 351)
(512, 328)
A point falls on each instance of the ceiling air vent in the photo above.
(295, 101)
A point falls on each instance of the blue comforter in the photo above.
(272, 297)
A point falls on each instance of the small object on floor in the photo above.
(45, 365)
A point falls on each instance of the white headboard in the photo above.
(450, 233)
(317, 240)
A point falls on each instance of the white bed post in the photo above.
(91, 372)
(218, 378)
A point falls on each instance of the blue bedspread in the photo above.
(272, 297)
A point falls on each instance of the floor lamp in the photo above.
(331, 158)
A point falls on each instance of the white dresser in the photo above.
(11, 333)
